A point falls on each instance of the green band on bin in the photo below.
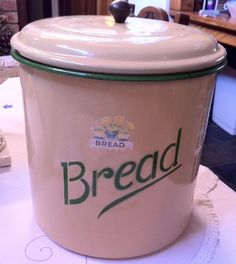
(117, 77)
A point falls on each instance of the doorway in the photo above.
(75, 7)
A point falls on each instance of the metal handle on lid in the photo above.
(120, 10)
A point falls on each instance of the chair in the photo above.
(152, 12)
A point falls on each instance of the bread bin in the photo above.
(115, 118)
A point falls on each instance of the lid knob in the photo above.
(120, 10)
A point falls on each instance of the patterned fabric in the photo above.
(5, 35)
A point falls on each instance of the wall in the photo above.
(9, 8)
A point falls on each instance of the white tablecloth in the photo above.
(209, 238)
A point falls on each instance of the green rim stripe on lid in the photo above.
(117, 77)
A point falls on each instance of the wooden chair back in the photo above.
(152, 12)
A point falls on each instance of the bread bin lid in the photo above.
(98, 44)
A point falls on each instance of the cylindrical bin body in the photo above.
(113, 159)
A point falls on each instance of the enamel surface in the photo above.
(98, 44)
(113, 164)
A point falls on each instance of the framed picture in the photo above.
(209, 8)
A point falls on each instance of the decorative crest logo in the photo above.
(112, 133)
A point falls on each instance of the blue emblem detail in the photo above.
(7, 106)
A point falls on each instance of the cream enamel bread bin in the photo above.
(115, 118)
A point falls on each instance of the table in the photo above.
(209, 238)
(223, 28)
